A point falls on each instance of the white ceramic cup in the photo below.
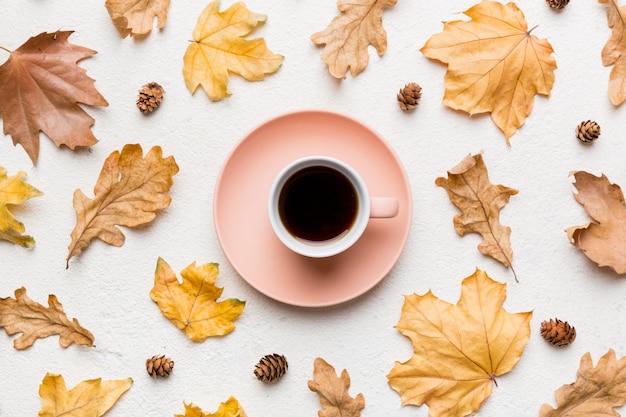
(365, 207)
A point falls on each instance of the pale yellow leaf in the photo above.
(13, 191)
(136, 17)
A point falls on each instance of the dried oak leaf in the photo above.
(40, 88)
(595, 392)
(333, 391)
(129, 191)
(229, 408)
(349, 34)
(92, 397)
(34, 321)
(494, 64)
(219, 47)
(14, 190)
(459, 349)
(614, 51)
(480, 202)
(604, 239)
(192, 306)
(136, 17)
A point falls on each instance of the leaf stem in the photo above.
(4, 49)
(514, 276)
(531, 29)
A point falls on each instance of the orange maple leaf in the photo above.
(40, 88)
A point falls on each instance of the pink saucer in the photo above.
(244, 231)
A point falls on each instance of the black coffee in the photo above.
(317, 204)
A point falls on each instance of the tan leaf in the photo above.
(494, 64)
(595, 392)
(192, 306)
(349, 34)
(129, 191)
(34, 321)
(229, 408)
(459, 349)
(219, 47)
(333, 391)
(40, 88)
(13, 191)
(480, 202)
(92, 397)
(614, 51)
(136, 17)
(604, 239)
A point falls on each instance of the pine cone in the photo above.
(558, 332)
(271, 368)
(557, 4)
(150, 97)
(159, 366)
(409, 96)
(587, 131)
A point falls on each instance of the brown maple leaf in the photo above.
(34, 321)
(614, 51)
(604, 239)
(136, 17)
(40, 88)
(595, 392)
(333, 391)
(494, 64)
(480, 202)
(129, 191)
(349, 34)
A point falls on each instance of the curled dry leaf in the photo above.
(229, 408)
(333, 391)
(348, 36)
(14, 190)
(494, 64)
(129, 191)
(219, 47)
(192, 306)
(604, 239)
(596, 391)
(459, 349)
(92, 397)
(40, 88)
(136, 17)
(614, 51)
(34, 321)
(480, 203)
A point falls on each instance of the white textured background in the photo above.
(107, 288)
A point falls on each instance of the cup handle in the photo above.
(383, 207)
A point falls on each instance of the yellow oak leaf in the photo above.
(229, 408)
(614, 51)
(349, 34)
(136, 17)
(192, 306)
(129, 191)
(333, 391)
(494, 64)
(14, 190)
(604, 239)
(219, 47)
(459, 349)
(595, 392)
(92, 397)
(480, 202)
(34, 321)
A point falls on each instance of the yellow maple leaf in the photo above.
(494, 64)
(349, 34)
(458, 349)
(93, 397)
(14, 190)
(192, 306)
(136, 17)
(219, 47)
(614, 51)
(229, 408)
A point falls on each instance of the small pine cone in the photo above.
(409, 96)
(150, 97)
(159, 366)
(558, 332)
(587, 131)
(557, 4)
(271, 368)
